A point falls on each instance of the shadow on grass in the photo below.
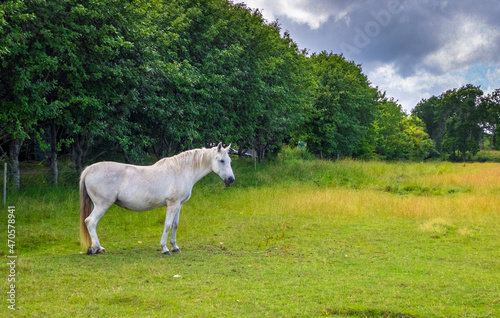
(366, 313)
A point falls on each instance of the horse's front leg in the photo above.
(175, 224)
(172, 210)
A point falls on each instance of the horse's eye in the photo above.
(222, 161)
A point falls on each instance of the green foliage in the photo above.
(128, 76)
(489, 110)
(21, 94)
(249, 89)
(462, 129)
(74, 73)
(343, 108)
(456, 120)
(487, 156)
(396, 136)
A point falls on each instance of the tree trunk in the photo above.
(77, 156)
(126, 157)
(492, 143)
(14, 150)
(78, 153)
(262, 153)
(53, 155)
(2, 153)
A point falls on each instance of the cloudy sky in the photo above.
(412, 49)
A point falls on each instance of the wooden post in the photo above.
(254, 154)
(5, 184)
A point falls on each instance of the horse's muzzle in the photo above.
(229, 181)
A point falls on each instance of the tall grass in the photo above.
(296, 237)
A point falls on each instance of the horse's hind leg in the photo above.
(175, 224)
(91, 223)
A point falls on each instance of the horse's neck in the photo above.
(193, 165)
(203, 165)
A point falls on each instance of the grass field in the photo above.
(300, 239)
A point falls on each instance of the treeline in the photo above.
(136, 76)
(459, 120)
(133, 77)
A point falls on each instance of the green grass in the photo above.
(300, 239)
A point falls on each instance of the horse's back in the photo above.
(106, 172)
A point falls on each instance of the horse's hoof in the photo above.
(95, 250)
(176, 250)
(92, 250)
(166, 253)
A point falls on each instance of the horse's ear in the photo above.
(228, 148)
(219, 147)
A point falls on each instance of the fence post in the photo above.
(254, 155)
(5, 184)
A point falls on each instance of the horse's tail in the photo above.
(85, 210)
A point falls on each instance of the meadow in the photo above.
(299, 238)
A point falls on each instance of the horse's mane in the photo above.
(194, 157)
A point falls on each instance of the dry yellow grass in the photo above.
(482, 177)
(476, 202)
(338, 202)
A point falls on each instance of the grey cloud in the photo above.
(404, 32)
(412, 48)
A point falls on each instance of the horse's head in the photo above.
(221, 164)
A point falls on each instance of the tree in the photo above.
(343, 109)
(429, 111)
(462, 131)
(421, 146)
(161, 113)
(489, 109)
(396, 136)
(21, 90)
(282, 94)
(453, 120)
(75, 72)
(247, 79)
(136, 74)
(391, 139)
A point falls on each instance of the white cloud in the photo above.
(465, 56)
(410, 90)
(300, 11)
(424, 84)
(493, 79)
(466, 40)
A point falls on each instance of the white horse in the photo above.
(140, 188)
